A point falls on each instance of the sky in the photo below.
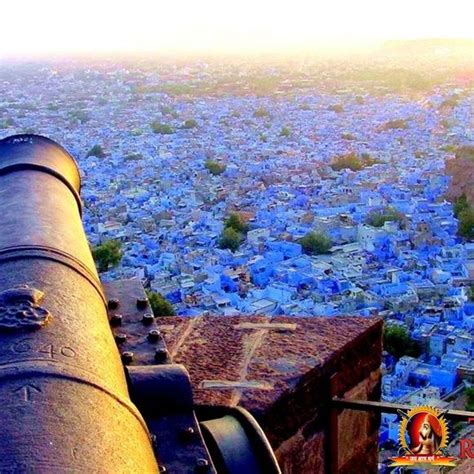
(37, 27)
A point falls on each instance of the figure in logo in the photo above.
(429, 436)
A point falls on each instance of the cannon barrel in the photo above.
(63, 392)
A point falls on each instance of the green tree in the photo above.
(234, 221)
(465, 152)
(159, 305)
(338, 108)
(7, 123)
(315, 243)
(469, 398)
(285, 132)
(348, 136)
(97, 151)
(107, 255)
(230, 239)
(378, 218)
(397, 341)
(214, 167)
(166, 110)
(80, 116)
(161, 128)
(399, 124)
(261, 112)
(466, 223)
(352, 161)
(190, 123)
(460, 205)
(471, 293)
(449, 148)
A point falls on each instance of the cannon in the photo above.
(68, 402)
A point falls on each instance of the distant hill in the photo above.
(429, 46)
(461, 168)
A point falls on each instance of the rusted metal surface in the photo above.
(163, 394)
(63, 392)
(136, 332)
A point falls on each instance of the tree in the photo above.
(161, 128)
(460, 205)
(160, 305)
(107, 255)
(166, 110)
(230, 239)
(399, 124)
(471, 293)
(285, 132)
(214, 167)
(348, 136)
(352, 161)
(338, 108)
(378, 218)
(466, 223)
(397, 341)
(469, 398)
(190, 123)
(465, 152)
(234, 221)
(80, 115)
(315, 243)
(261, 112)
(97, 151)
(7, 123)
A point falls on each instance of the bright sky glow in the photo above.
(97, 26)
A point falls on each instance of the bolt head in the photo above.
(187, 434)
(147, 318)
(116, 320)
(202, 465)
(161, 355)
(120, 338)
(113, 303)
(127, 357)
(154, 335)
(142, 303)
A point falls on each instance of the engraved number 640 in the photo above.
(26, 346)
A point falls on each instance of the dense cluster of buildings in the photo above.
(153, 192)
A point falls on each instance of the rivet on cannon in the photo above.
(202, 465)
(147, 318)
(142, 303)
(187, 434)
(113, 303)
(120, 338)
(161, 355)
(116, 320)
(127, 357)
(154, 335)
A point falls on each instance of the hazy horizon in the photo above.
(209, 27)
